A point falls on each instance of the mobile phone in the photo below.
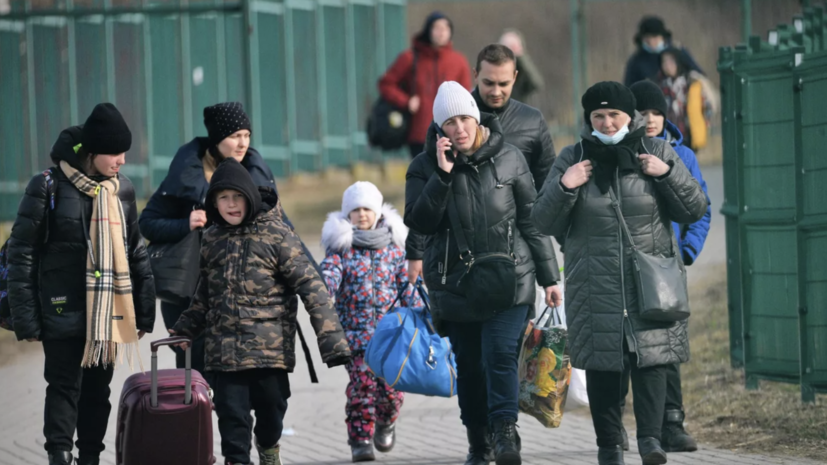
(451, 156)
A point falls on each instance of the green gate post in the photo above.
(746, 20)
(576, 22)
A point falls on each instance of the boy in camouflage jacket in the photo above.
(252, 264)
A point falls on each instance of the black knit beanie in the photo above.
(649, 97)
(230, 174)
(105, 131)
(224, 119)
(608, 94)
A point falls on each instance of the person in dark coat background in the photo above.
(434, 60)
(529, 79)
(49, 254)
(177, 206)
(651, 39)
(607, 333)
(691, 237)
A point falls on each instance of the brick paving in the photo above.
(429, 430)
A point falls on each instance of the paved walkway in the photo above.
(429, 431)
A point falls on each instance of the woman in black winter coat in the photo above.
(469, 172)
(177, 207)
(607, 333)
(77, 257)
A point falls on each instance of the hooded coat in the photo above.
(494, 194)
(433, 67)
(48, 250)
(245, 301)
(691, 237)
(364, 282)
(599, 279)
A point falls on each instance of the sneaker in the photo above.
(269, 456)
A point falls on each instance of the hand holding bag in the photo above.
(661, 281)
(490, 279)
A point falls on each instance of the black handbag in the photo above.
(661, 281)
(489, 280)
(176, 268)
(388, 126)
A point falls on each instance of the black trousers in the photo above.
(416, 149)
(606, 392)
(237, 393)
(674, 394)
(171, 313)
(76, 399)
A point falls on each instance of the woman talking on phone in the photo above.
(472, 194)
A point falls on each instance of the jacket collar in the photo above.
(489, 150)
(423, 49)
(670, 128)
(485, 108)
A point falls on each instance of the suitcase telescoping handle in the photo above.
(153, 387)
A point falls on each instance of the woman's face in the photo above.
(668, 65)
(440, 33)
(462, 130)
(608, 120)
(235, 145)
(363, 218)
(107, 165)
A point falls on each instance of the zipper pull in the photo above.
(625, 313)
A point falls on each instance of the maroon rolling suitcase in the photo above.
(165, 417)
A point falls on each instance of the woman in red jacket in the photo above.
(436, 62)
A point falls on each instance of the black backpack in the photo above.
(388, 126)
(6, 319)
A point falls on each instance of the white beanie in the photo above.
(454, 100)
(363, 194)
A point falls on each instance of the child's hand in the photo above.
(182, 345)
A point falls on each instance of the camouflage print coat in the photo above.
(245, 298)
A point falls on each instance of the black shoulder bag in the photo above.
(388, 126)
(660, 281)
(489, 281)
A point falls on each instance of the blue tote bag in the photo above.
(407, 353)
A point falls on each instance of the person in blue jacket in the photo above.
(651, 39)
(177, 206)
(651, 103)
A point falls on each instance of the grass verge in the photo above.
(720, 411)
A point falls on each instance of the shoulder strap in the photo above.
(51, 190)
(312, 369)
(620, 218)
(456, 224)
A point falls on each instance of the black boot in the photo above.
(362, 451)
(673, 436)
(385, 437)
(478, 446)
(505, 443)
(60, 458)
(650, 451)
(88, 461)
(610, 456)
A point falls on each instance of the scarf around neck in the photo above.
(372, 239)
(606, 159)
(110, 314)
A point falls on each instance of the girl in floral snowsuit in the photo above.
(364, 269)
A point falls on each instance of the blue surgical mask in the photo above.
(614, 139)
(661, 47)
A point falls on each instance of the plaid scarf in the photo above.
(110, 313)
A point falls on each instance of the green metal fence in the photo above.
(775, 188)
(306, 71)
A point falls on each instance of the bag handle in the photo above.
(555, 312)
(153, 386)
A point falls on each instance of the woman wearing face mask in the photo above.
(651, 39)
(80, 281)
(691, 99)
(412, 81)
(606, 333)
(177, 207)
(472, 193)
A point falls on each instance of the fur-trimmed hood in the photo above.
(337, 233)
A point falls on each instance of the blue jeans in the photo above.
(487, 358)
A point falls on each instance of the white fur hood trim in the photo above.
(337, 233)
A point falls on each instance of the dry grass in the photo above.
(720, 411)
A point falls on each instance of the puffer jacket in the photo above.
(47, 280)
(365, 282)
(598, 263)
(245, 297)
(494, 194)
(691, 237)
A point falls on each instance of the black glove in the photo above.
(339, 360)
